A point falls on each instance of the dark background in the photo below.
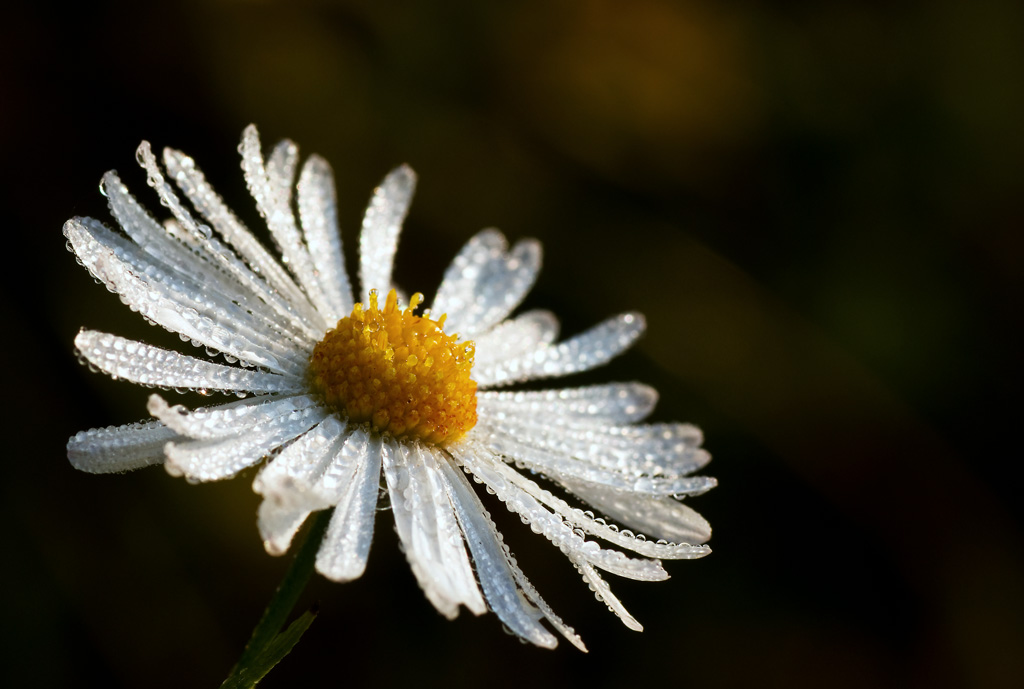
(818, 206)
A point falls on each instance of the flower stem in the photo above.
(268, 644)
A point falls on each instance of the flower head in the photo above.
(336, 392)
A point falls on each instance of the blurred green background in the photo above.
(818, 205)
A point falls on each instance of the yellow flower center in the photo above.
(398, 372)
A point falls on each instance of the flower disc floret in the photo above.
(397, 371)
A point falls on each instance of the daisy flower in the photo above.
(337, 392)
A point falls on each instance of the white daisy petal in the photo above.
(278, 525)
(187, 228)
(291, 479)
(593, 405)
(415, 523)
(151, 236)
(502, 286)
(328, 466)
(511, 339)
(484, 283)
(319, 215)
(346, 545)
(176, 303)
(604, 594)
(230, 278)
(337, 476)
(232, 418)
(587, 350)
(661, 450)
(533, 596)
(213, 460)
(381, 227)
(558, 465)
(456, 293)
(681, 550)
(452, 545)
(661, 518)
(274, 207)
(116, 449)
(281, 167)
(429, 533)
(283, 294)
(148, 365)
(217, 269)
(191, 261)
(491, 559)
(499, 478)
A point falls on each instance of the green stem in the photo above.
(253, 664)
